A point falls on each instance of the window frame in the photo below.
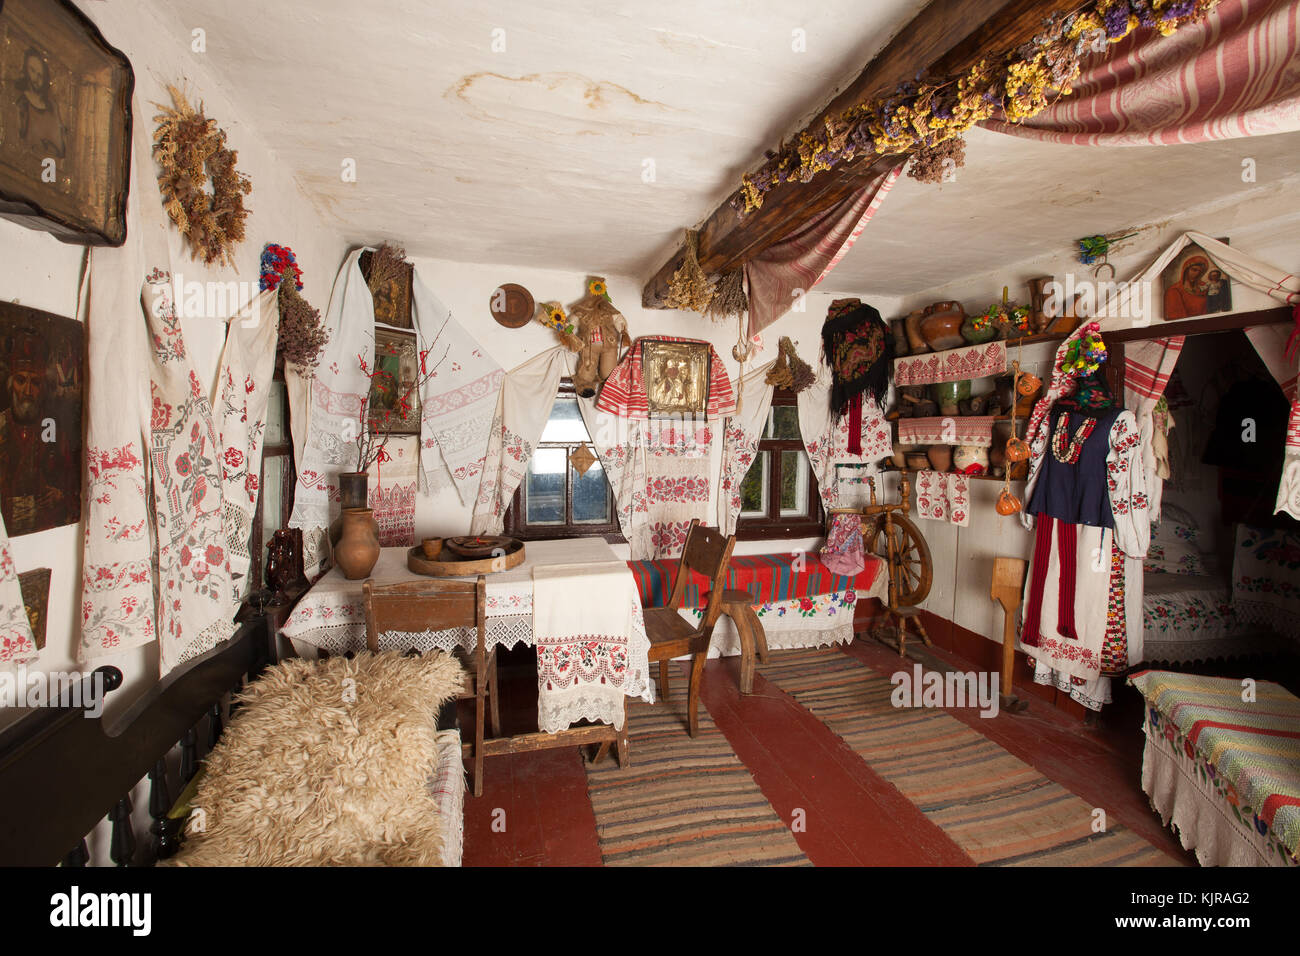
(515, 518)
(773, 525)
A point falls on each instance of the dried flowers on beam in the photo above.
(191, 152)
(689, 288)
(923, 114)
(728, 296)
(790, 371)
(938, 163)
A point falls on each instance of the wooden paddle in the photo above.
(1008, 582)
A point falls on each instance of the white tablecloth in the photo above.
(332, 617)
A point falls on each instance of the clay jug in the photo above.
(358, 547)
(940, 457)
(912, 326)
(941, 326)
(1008, 504)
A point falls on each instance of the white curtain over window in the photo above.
(740, 436)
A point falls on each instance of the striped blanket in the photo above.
(768, 577)
(1251, 746)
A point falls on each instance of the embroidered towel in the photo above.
(582, 625)
(947, 430)
(954, 365)
(943, 496)
(16, 643)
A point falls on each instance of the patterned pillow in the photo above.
(1173, 549)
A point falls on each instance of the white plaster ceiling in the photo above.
(1018, 199)
(535, 154)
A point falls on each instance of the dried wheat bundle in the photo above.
(728, 296)
(689, 288)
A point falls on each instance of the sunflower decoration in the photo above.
(596, 286)
(551, 315)
(192, 156)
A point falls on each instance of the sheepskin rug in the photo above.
(327, 763)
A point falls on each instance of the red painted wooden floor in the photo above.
(534, 810)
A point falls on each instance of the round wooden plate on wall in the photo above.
(512, 305)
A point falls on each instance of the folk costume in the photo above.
(859, 351)
(1086, 494)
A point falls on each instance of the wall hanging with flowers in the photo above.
(202, 189)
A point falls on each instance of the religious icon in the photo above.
(65, 123)
(394, 395)
(35, 588)
(392, 299)
(1194, 285)
(676, 377)
(42, 359)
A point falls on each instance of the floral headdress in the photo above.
(1083, 356)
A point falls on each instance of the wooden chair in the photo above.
(709, 553)
(417, 606)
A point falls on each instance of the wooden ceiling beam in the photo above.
(946, 38)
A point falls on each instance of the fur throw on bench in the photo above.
(327, 764)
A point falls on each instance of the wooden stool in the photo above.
(739, 606)
(902, 616)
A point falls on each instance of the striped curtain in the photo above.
(1235, 73)
(777, 278)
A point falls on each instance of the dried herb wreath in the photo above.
(191, 151)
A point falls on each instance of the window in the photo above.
(778, 495)
(555, 500)
(275, 488)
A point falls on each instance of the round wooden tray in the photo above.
(448, 565)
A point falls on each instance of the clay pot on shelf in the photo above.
(912, 326)
(898, 328)
(950, 395)
(940, 457)
(997, 459)
(974, 336)
(971, 459)
(358, 547)
(941, 326)
(918, 460)
(1018, 470)
(975, 405)
(899, 458)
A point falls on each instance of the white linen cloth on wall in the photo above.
(17, 646)
(943, 496)
(1271, 281)
(459, 398)
(335, 395)
(117, 571)
(524, 404)
(392, 491)
(740, 436)
(240, 399)
(826, 440)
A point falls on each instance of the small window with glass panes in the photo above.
(778, 495)
(558, 498)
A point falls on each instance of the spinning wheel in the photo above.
(888, 533)
(910, 568)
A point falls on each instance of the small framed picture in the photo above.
(392, 299)
(1193, 285)
(676, 377)
(394, 395)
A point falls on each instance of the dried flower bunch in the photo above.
(689, 288)
(302, 335)
(789, 370)
(276, 261)
(935, 164)
(923, 114)
(728, 297)
(191, 152)
(387, 264)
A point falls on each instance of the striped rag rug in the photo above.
(684, 801)
(997, 808)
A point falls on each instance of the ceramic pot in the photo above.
(1018, 470)
(977, 336)
(950, 394)
(997, 458)
(898, 327)
(1017, 450)
(358, 547)
(917, 460)
(912, 326)
(1029, 383)
(1008, 504)
(971, 459)
(941, 326)
(899, 457)
(353, 489)
(940, 457)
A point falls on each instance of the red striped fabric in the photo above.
(624, 393)
(1229, 75)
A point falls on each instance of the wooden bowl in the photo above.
(432, 547)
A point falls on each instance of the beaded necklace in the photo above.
(1065, 448)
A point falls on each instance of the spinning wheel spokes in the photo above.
(910, 567)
